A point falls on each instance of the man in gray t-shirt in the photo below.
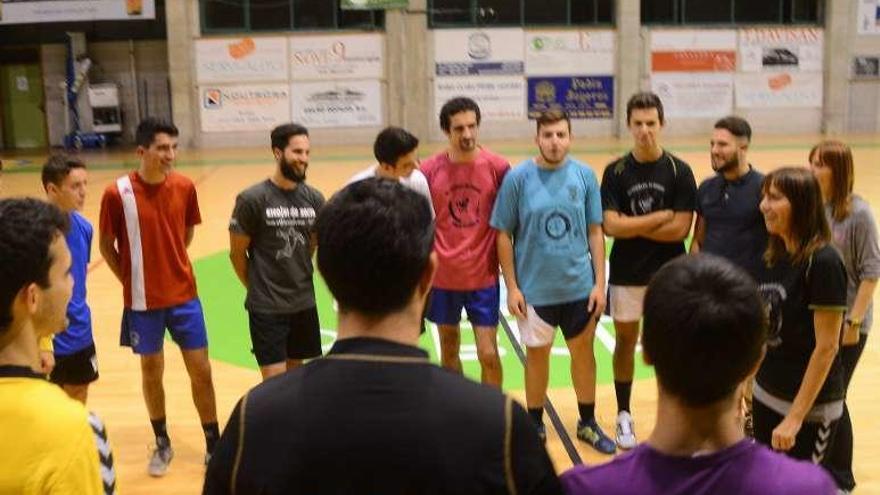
(271, 242)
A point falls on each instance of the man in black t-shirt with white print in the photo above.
(648, 200)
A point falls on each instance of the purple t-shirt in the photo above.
(746, 468)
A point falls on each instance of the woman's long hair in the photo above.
(838, 157)
(808, 226)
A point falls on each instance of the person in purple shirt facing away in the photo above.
(704, 333)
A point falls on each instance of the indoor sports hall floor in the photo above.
(221, 173)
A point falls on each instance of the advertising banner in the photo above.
(869, 17)
(694, 95)
(338, 104)
(559, 53)
(475, 52)
(693, 51)
(373, 4)
(241, 59)
(38, 11)
(779, 90)
(336, 56)
(244, 107)
(499, 97)
(582, 97)
(781, 49)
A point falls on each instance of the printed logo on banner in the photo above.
(213, 98)
(581, 97)
(242, 48)
(349, 56)
(469, 52)
(479, 46)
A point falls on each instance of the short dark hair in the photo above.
(281, 135)
(27, 228)
(549, 117)
(457, 105)
(374, 240)
(149, 127)
(392, 143)
(737, 126)
(642, 101)
(704, 328)
(58, 167)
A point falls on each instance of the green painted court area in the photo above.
(223, 300)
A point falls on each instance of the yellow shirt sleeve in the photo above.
(89, 468)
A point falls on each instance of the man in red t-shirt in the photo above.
(464, 180)
(147, 221)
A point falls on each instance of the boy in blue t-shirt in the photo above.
(549, 220)
(76, 365)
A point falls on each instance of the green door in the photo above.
(22, 101)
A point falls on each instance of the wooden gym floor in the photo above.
(221, 173)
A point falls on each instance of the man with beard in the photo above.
(271, 242)
(648, 202)
(464, 180)
(552, 252)
(147, 221)
(729, 222)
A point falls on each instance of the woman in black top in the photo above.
(798, 395)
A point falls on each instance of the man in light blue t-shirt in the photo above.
(549, 220)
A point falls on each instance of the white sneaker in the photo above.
(159, 461)
(626, 435)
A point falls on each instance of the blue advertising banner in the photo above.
(582, 97)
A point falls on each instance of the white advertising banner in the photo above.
(499, 97)
(560, 53)
(694, 94)
(336, 56)
(255, 107)
(673, 40)
(337, 104)
(779, 90)
(781, 49)
(473, 52)
(241, 59)
(869, 16)
(39, 11)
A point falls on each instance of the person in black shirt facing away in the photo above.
(374, 415)
(648, 202)
(799, 388)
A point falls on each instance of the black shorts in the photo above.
(278, 337)
(79, 368)
(538, 328)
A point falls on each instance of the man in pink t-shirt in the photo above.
(464, 180)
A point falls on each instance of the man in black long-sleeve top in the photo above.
(374, 416)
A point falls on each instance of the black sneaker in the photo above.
(591, 433)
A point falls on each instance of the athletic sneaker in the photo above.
(159, 461)
(591, 433)
(542, 432)
(626, 434)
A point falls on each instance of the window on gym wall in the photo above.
(732, 11)
(224, 16)
(465, 13)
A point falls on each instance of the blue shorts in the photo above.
(144, 331)
(481, 306)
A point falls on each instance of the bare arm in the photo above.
(190, 233)
(674, 231)
(622, 226)
(238, 246)
(515, 300)
(597, 253)
(699, 235)
(860, 306)
(107, 245)
(827, 324)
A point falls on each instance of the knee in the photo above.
(488, 357)
(152, 368)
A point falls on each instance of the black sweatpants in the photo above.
(811, 443)
(840, 455)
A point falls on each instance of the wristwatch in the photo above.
(854, 324)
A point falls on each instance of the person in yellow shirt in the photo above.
(54, 445)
